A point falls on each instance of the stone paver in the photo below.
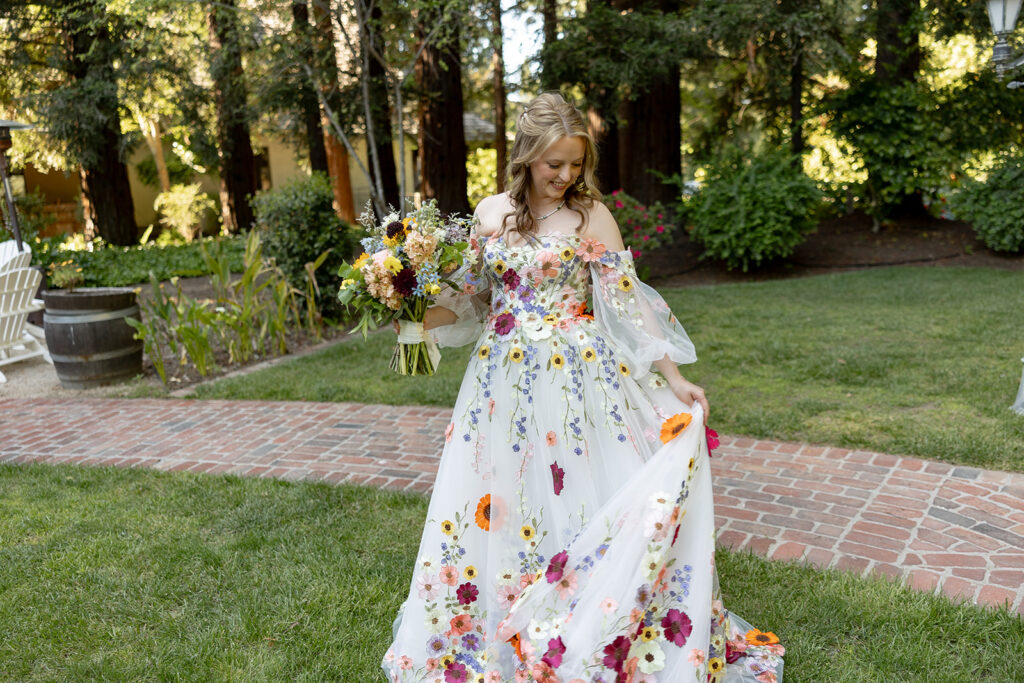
(938, 527)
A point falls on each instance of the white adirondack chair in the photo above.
(11, 258)
(17, 289)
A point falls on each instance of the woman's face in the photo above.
(556, 169)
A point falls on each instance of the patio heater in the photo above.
(5, 144)
(1003, 16)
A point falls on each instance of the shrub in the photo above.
(32, 216)
(753, 208)
(643, 228)
(182, 208)
(995, 207)
(297, 223)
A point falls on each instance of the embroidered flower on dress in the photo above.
(557, 478)
(548, 264)
(615, 653)
(696, 657)
(483, 353)
(649, 633)
(590, 250)
(712, 438)
(650, 657)
(428, 586)
(756, 637)
(527, 532)
(461, 623)
(469, 572)
(589, 354)
(567, 253)
(624, 369)
(467, 593)
(556, 567)
(504, 323)
(608, 605)
(447, 526)
(511, 278)
(677, 627)
(516, 354)
(483, 513)
(449, 575)
(672, 427)
(456, 672)
(557, 361)
(499, 266)
(625, 283)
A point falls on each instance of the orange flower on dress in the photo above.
(756, 637)
(514, 642)
(671, 427)
(483, 513)
(552, 438)
(581, 312)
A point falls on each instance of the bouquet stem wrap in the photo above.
(416, 353)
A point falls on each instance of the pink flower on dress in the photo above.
(404, 662)
(677, 627)
(608, 605)
(492, 677)
(566, 585)
(556, 567)
(456, 673)
(557, 478)
(490, 406)
(712, 438)
(504, 323)
(552, 438)
(507, 595)
(615, 653)
(696, 657)
(449, 575)
(548, 264)
(460, 624)
(590, 250)
(553, 657)
(448, 432)
(767, 677)
(428, 586)
(431, 663)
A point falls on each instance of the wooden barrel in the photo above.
(87, 336)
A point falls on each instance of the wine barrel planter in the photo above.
(87, 336)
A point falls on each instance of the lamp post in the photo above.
(5, 144)
(1003, 16)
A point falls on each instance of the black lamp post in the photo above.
(1003, 16)
(5, 144)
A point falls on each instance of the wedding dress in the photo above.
(570, 535)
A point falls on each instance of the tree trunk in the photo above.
(380, 108)
(796, 91)
(549, 13)
(498, 64)
(327, 72)
(651, 140)
(106, 194)
(307, 98)
(237, 162)
(442, 138)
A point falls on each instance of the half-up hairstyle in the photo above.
(547, 119)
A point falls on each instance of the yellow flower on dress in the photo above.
(447, 527)
(527, 532)
(557, 361)
(756, 637)
(551, 318)
(589, 354)
(671, 427)
(692, 462)
(484, 352)
(469, 572)
(625, 283)
(500, 267)
(567, 253)
(516, 354)
(649, 633)
(624, 369)
(446, 660)
(479, 679)
(716, 664)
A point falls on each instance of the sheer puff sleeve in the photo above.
(634, 317)
(468, 300)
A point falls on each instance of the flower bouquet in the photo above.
(402, 267)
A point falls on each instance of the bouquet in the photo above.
(402, 267)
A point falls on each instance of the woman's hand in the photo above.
(435, 316)
(690, 393)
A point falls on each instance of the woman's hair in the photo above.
(545, 120)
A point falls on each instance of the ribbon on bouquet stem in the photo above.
(412, 332)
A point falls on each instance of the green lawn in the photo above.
(920, 361)
(120, 575)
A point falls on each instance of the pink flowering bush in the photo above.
(643, 228)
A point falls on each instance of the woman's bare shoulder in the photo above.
(491, 211)
(602, 227)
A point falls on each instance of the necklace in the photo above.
(550, 213)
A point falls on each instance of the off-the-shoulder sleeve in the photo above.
(468, 300)
(634, 317)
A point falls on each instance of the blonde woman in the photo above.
(570, 535)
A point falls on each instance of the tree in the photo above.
(307, 98)
(380, 108)
(498, 68)
(325, 74)
(442, 138)
(237, 162)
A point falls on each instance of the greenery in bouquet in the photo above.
(405, 262)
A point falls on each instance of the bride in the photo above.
(570, 536)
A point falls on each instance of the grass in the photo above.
(110, 574)
(919, 361)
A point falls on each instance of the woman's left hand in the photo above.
(689, 393)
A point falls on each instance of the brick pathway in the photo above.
(957, 530)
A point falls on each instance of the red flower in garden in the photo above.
(556, 567)
(615, 653)
(677, 627)
(467, 593)
(557, 477)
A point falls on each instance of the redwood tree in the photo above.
(307, 97)
(237, 163)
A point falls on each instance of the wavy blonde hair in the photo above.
(547, 119)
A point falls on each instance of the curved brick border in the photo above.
(957, 530)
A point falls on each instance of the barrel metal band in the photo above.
(89, 357)
(52, 318)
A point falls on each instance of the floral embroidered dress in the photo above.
(570, 536)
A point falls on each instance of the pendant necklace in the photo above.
(550, 213)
